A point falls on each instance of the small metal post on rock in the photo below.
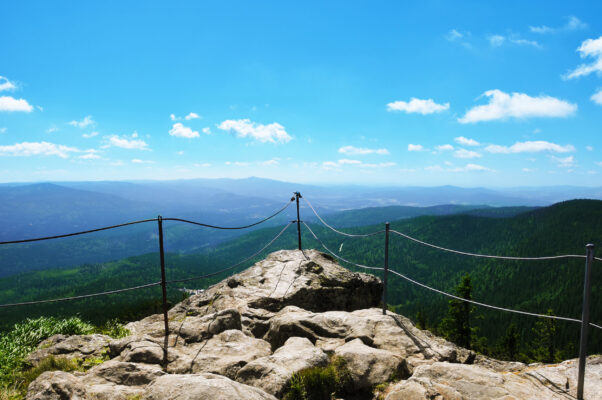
(587, 288)
(163, 288)
(297, 197)
(386, 268)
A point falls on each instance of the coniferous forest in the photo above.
(549, 286)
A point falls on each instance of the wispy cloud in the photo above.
(269, 163)
(591, 48)
(572, 24)
(273, 133)
(89, 135)
(126, 143)
(466, 141)
(192, 115)
(237, 163)
(418, 106)
(500, 40)
(87, 121)
(465, 168)
(530, 147)
(350, 150)
(6, 85)
(463, 153)
(517, 105)
(26, 149)
(565, 162)
(415, 147)
(597, 97)
(330, 165)
(179, 130)
(10, 104)
(139, 161)
(444, 147)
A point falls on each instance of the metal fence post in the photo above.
(297, 197)
(386, 270)
(587, 288)
(164, 289)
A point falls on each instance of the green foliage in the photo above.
(456, 325)
(543, 347)
(509, 344)
(320, 383)
(18, 343)
(114, 328)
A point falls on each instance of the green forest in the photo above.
(554, 286)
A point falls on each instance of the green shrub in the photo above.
(320, 383)
(48, 364)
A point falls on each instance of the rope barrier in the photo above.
(231, 227)
(339, 257)
(485, 255)
(81, 297)
(337, 231)
(234, 265)
(488, 305)
(78, 233)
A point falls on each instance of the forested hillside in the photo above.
(534, 286)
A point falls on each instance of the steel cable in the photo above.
(231, 227)
(337, 231)
(485, 255)
(78, 233)
(82, 296)
(234, 265)
(487, 305)
(339, 257)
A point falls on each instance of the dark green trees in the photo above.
(456, 325)
(544, 343)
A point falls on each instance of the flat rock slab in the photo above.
(447, 381)
(63, 346)
(202, 386)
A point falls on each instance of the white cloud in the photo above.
(206, 131)
(52, 129)
(466, 141)
(530, 147)
(6, 85)
(192, 115)
(589, 48)
(87, 121)
(378, 165)
(496, 40)
(417, 106)
(566, 162)
(463, 153)
(528, 170)
(274, 132)
(10, 104)
(415, 147)
(203, 165)
(330, 165)
(350, 150)
(453, 35)
(517, 105)
(272, 162)
(179, 130)
(125, 143)
(597, 97)
(499, 40)
(444, 147)
(573, 23)
(173, 117)
(138, 161)
(37, 148)
(471, 168)
(90, 135)
(237, 163)
(349, 162)
(589, 148)
(89, 156)
(2, 130)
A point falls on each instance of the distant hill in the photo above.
(535, 286)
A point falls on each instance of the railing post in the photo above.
(297, 197)
(587, 288)
(164, 289)
(386, 270)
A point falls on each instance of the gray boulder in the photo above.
(272, 373)
(201, 386)
(63, 346)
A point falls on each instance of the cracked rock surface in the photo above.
(246, 336)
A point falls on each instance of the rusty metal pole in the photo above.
(386, 270)
(587, 289)
(297, 197)
(164, 289)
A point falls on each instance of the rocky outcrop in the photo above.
(245, 337)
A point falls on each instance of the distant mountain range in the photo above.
(42, 209)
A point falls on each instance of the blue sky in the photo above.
(398, 93)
